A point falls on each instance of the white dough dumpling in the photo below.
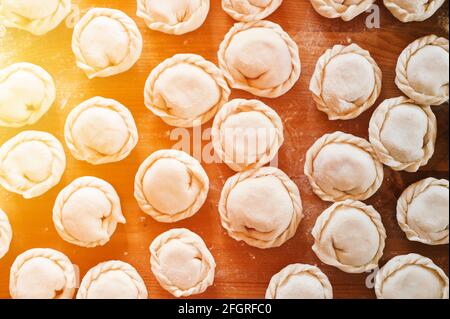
(250, 10)
(186, 90)
(171, 186)
(42, 274)
(100, 131)
(31, 163)
(411, 277)
(173, 16)
(346, 82)
(182, 263)
(261, 207)
(247, 134)
(413, 10)
(112, 280)
(106, 42)
(403, 134)
(36, 17)
(260, 58)
(350, 236)
(299, 281)
(422, 211)
(87, 211)
(27, 92)
(423, 71)
(344, 9)
(5, 233)
(341, 166)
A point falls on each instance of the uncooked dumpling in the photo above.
(31, 163)
(247, 134)
(171, 186)
(26, 93)
(261, 207)
(182, 263)
(346, 82)
(106, 42)
(250, 10)
(300, 281)
(42, 274)
(260, 58)
(173, 16)
(403, 134)
(350, 236)
(112, 280)
(423, 71)
(36, 17)
(411, 277)
(341, 166)
(422, 211)
(100, 131)
(413, 10)
(186, 90)
(87, 211)
(344, 9)
(5, 234)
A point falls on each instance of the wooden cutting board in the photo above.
(242, 271)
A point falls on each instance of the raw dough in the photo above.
(42, 274)
(87, 211)
(5, 234)
(112, 280)
(300, 281)
(403, 134)
(350, 236)
(423, 71)
(36, 17)
(341, 166)
(247, 134)
(261, 58)
(413, 10)
(411, 277)
(27, 92)
(173, 16)
(182, 263)
(100, 131)
(346, 82)
(250, 10)
(31, 163)
(186, 90)
(106, 42)
(171, 186)
(261, 207)
(344, 9)
(422, 211)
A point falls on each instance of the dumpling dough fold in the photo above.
(182, 263)
(413, 10)
(344, 9)
(173, 16)
(261, 58)
(106, 42)
(299, 281)
(31, 163)
(250, 10)
(346, 82)
(5, 234)
(403, 134)
(423, 71)
(27, 92)
(87, 211)
(36, 17)
(42, 274)
(261, 207)
(112, 280)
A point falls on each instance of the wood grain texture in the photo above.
(242, 271)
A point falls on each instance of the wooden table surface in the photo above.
(242, 271)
